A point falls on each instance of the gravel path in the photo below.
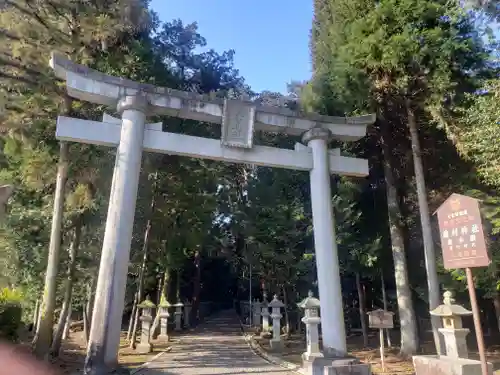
(216, 347)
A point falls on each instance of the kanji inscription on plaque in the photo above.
(238, 124)
(462, 237)
(381, 319)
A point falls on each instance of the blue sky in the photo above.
(270, 37)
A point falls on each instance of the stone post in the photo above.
(312, 320)
(104, 341)
(276, 305)
(146, 319)
(178, 316)
(327, 262)
(256, 312)
(187, 314)
(164, 315)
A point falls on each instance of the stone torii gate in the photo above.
(131, 135)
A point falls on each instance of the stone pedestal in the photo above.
(144, 345)
(455, 341)
(257, 306)
(336, 366)
(444, 365)
(312, 338)
(178, 316)
(187, 314)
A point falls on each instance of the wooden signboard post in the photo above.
(464, 246)
(381, 319)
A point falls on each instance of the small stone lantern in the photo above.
(276, 305)
(265, 315)
(312, 320)
(164, 315)
(178, 316)
(453, 331)
(146, 318)
(187, 313)
(256, 312)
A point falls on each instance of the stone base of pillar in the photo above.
(339, 366)
(276, 345)
(105, 370)
(163, 337)
(306, 357)
(144, 348)
(431, 364)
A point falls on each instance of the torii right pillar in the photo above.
(327, 260)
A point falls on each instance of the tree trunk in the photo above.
(36, 313)
(68, 292)
(362, 309)
(86, 325)
(141, 279)
(132, 317)
(386, 307)
(44, 333)
(142, 272)
(67, 325)
(287, 316)
(90, 300)
(409, 336)
(196, 287)
(429, 251)
(496, 304)
(178, 285)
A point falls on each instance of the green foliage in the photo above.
(10, 313)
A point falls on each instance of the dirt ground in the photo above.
(295, 346)
(72, 357)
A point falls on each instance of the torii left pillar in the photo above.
(110, 294)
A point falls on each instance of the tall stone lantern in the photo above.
(164, 315)
(146, 318)
(276, 305)
(453, 331)
(312, 320)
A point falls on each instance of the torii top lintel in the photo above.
(93, 86)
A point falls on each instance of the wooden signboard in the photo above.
(461, 232)
(380, 319)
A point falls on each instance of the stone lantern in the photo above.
(164, 315)
(256, 312)
(178, 316)
(312, 320)
(146, 318)
(453, 331)
(276, 305)
(265, 315)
